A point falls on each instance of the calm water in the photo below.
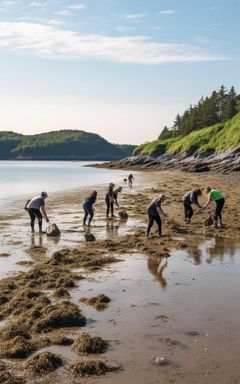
(28, 177)
(19, 179)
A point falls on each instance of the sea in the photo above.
(26, 178)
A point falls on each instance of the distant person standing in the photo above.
(154, 210)
(36, 210)
(88, 207)
(109, 200)
(130, 180)
(188, 199)
(215, 195)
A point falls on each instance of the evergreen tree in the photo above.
(219, 107)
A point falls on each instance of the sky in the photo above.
(120, 68)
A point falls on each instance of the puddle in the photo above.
(170, 310)
(175, 308)
(17, 240)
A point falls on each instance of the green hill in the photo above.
(220, 136)
(60, 145)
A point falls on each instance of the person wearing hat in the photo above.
(88, 207)
(115, 195)
(36, 209)
(109, 200)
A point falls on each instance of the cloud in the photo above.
(122, 28)
(9, 2)
(77, 7)
(36, 4)
(134, 16)
(55, 22)
(39, 4)
(167, 12)
(63, 12)
(49, 41)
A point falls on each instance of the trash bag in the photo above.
(53, 230)
(123, 214)
(209, 221)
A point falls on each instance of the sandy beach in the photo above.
(124, 308)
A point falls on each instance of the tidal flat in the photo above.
(123, 308)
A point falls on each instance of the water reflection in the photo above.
(36, 240)
(156, 266)
(202, 253)
(113, 226)
(218, 248)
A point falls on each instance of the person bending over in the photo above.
(188, 199)
(88, 207)
(115, 195)
(215, 195)
(154, 210)
(36, 210)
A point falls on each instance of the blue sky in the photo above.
(120, 68)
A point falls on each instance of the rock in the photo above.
(192, 333)
(160, 361)
(192, 161)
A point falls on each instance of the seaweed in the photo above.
(88, 344)
(89, 368)
(64, 314)
(99, 302)
(44, 362)
(18, 348)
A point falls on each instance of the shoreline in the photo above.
(129, 269)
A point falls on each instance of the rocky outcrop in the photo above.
(195, 161)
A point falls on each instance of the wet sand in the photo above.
(173, 310)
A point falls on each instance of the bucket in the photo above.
(123, 214)
(53, 230)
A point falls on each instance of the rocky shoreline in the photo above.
(194, 161)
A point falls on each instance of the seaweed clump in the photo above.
(61, 292)
(87, 344)
(12, 330)
(7, 378)
(99, 302)
(44, 362)
(62, 340)
(89, 368)
(64, 314)
(18, 348)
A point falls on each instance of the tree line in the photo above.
(221, 106)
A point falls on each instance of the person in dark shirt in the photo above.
(188, 199)
(130, 180)
(115, 195)
(154, 210)
(88, 207)
(109, 200)
(36, 209)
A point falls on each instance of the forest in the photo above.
(60, 145)
(221, 106)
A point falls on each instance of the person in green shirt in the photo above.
(215, 195)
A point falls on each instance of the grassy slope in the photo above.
(218, 137)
